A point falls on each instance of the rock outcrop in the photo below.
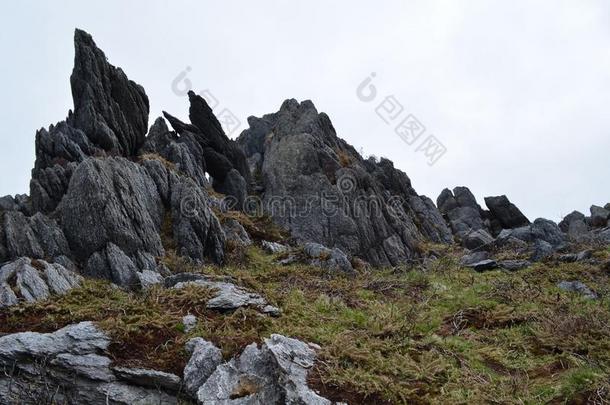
(31, 280)
(318, 187)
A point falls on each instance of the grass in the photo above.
(430, 333)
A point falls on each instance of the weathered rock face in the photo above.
(460, 208)
(320, 188)
(36, 237)
(223, 159)
(272, 374)
(110, 117)
(183, 151)
(115, 201)
(69, 367)
(111, 109)
(507, 213)
(29, 280)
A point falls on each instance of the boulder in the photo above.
(507, 213)
(34, 280)
(479, 239)
(114, 201)
(541, 250)
(331, 259)
(599, 217)
(547, 231)
(68, 366)
(234, 231)
(205, 358)
(274, 247)
(474, 257)
(274, 373)
(564, 225)
(461, 211)
(483, 265)
(227, 296)
(148, 378)
(577, 287)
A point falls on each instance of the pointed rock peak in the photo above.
(202, 116)
(111, 109)
(178, 125)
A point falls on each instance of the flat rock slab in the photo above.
(577, 287)
(228, 296)
(484, 265)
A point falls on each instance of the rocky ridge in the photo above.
(110, 199)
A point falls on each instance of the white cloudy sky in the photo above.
(517, 91)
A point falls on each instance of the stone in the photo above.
(114, 201)
(196, 230)
(235, 232)
(541, 250)
(71, 361)
(205, 358)
(111, 109)
(474, 257)
(507, 213)
(274, 373)
(547, 231)
(110, 118)
(479, 239)
(513, 265)
(576, 257)
(227, 296)
(7, 203)
(321, 190)
(148, 378)
(564, 225)
(484, 265)
(34, 280)
(235, 187)
(20, 238)
(189, 322)
(599, 217)
(114, 265)
(331, 259)
(184, 151)
(274, 247)
(577, 287)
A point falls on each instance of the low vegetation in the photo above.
(429, 333)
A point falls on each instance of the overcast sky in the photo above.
(517, 91)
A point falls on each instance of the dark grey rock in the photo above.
(577, 287)
(111, 109)
(321, 190)
(235, 186)
(205, 358)
(479, 239)
(541, 250)
(484, 265)
(184, 151)
(49, 235)
(196, 229)
(548, 231)
(575, 257)
(20, 238)
(235, 232)
(564, 225)
(112, 201)
(7, 203)
(506, 212)
(474, 257)
(331, 259)
(513, 265)
(599, 217)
